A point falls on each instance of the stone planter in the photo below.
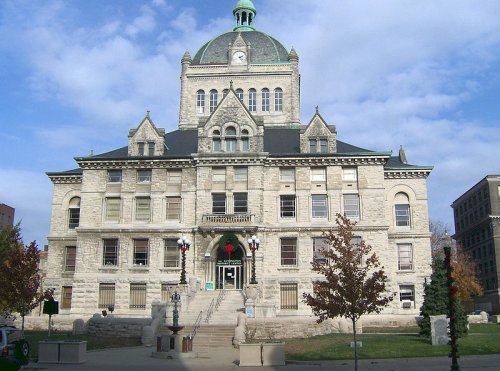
(251, 354)
(48, 351)
(262, 354)
(73, 351)
(273, 354)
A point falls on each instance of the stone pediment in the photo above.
(146, 139)
(318, 132)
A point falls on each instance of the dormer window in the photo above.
(245, 141)
(216, 141)
(151, 148)
(140, 148)
(230, 137)
(312, 146)
(323, 146)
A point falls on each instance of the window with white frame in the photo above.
(106, 295)
(405, 256)
(112, 212)
(218, 174)
(278, 99)
(114, 176)
(74, 213)
(349, 174)
(239, 94)
(319, 206)
(213, 100)
(70, 259)
(402, 210)
(240, 202)
(351, 205)
(141, 250)
(230, 138)
(319, 246)
(287, 206)
(110, 252)
(241, 174)
(144, 176)
(318, 174)
(287, 174)
(289, 294)
(142, 208)
(407, 296)
(252, 100)
(288, 247)
(200, 101)
(173, 208)
(218, 203)
(265, 100)
(137, 296)
(171, 253)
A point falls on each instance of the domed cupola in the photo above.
(244, 15)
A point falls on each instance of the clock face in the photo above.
(239, 57)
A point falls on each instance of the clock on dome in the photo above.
(239, 57)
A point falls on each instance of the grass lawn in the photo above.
(93, 342)
(482, 339)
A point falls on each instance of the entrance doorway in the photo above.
(229, 277)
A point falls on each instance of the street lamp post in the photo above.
(183, 244)
(452, 290)
(253, 243)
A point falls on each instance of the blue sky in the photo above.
(77, 75)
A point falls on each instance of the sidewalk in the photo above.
(139, 358)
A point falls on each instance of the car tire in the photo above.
(22, 350)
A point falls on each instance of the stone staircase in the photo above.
(219, 330)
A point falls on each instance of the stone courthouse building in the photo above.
(240, 164)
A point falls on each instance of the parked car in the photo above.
(14, 349)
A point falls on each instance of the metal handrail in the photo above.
(197, 324)
(222, 293)
(210, 309)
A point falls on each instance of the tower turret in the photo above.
(244, 15)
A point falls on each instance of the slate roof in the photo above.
(394, 163)
(264, 49)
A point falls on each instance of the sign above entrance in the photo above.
(229, 262)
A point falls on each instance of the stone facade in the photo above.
(222, 177)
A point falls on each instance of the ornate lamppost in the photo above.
(183, 244)
(452, 290)
(253, 243)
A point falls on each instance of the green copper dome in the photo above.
(263, 49)
(244, 4)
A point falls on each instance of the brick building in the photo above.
(240, 164)
(477, 229)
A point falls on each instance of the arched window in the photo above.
(200, 101)
(402, 210)
(239, 94)
(265, 100)
(252, 100)
(230, 137)
(245, 141)
(225, 92)
(278, 99)
(213, 100)
(74, 213)
(216, 141)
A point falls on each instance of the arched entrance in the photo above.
(229, 264)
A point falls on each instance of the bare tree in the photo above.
(354, 282)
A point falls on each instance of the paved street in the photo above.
(134, 359)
